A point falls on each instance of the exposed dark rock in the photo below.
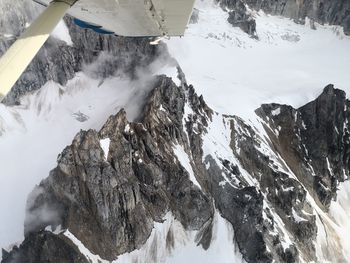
(45, 247)
(239, 16)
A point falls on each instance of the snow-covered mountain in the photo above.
(183, 152)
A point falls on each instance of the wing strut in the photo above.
(14, 62)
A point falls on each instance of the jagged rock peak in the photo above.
(181, 157)
(107, 182)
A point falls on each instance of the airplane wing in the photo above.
(133, 18)
(17, 58)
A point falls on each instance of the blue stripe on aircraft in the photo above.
(102, 31)
(97, 29)
(84, 24)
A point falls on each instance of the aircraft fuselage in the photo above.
(134, 18)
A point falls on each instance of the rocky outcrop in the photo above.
(239, 16)
(323, 12)
(45, 247)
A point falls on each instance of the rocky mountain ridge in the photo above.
(260, 181)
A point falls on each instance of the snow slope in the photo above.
(340, 213)
(289, 64)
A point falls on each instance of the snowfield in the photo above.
(289, 64)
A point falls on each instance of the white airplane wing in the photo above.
(17, 58)
(133, 18)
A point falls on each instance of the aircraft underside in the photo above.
(134, 18)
